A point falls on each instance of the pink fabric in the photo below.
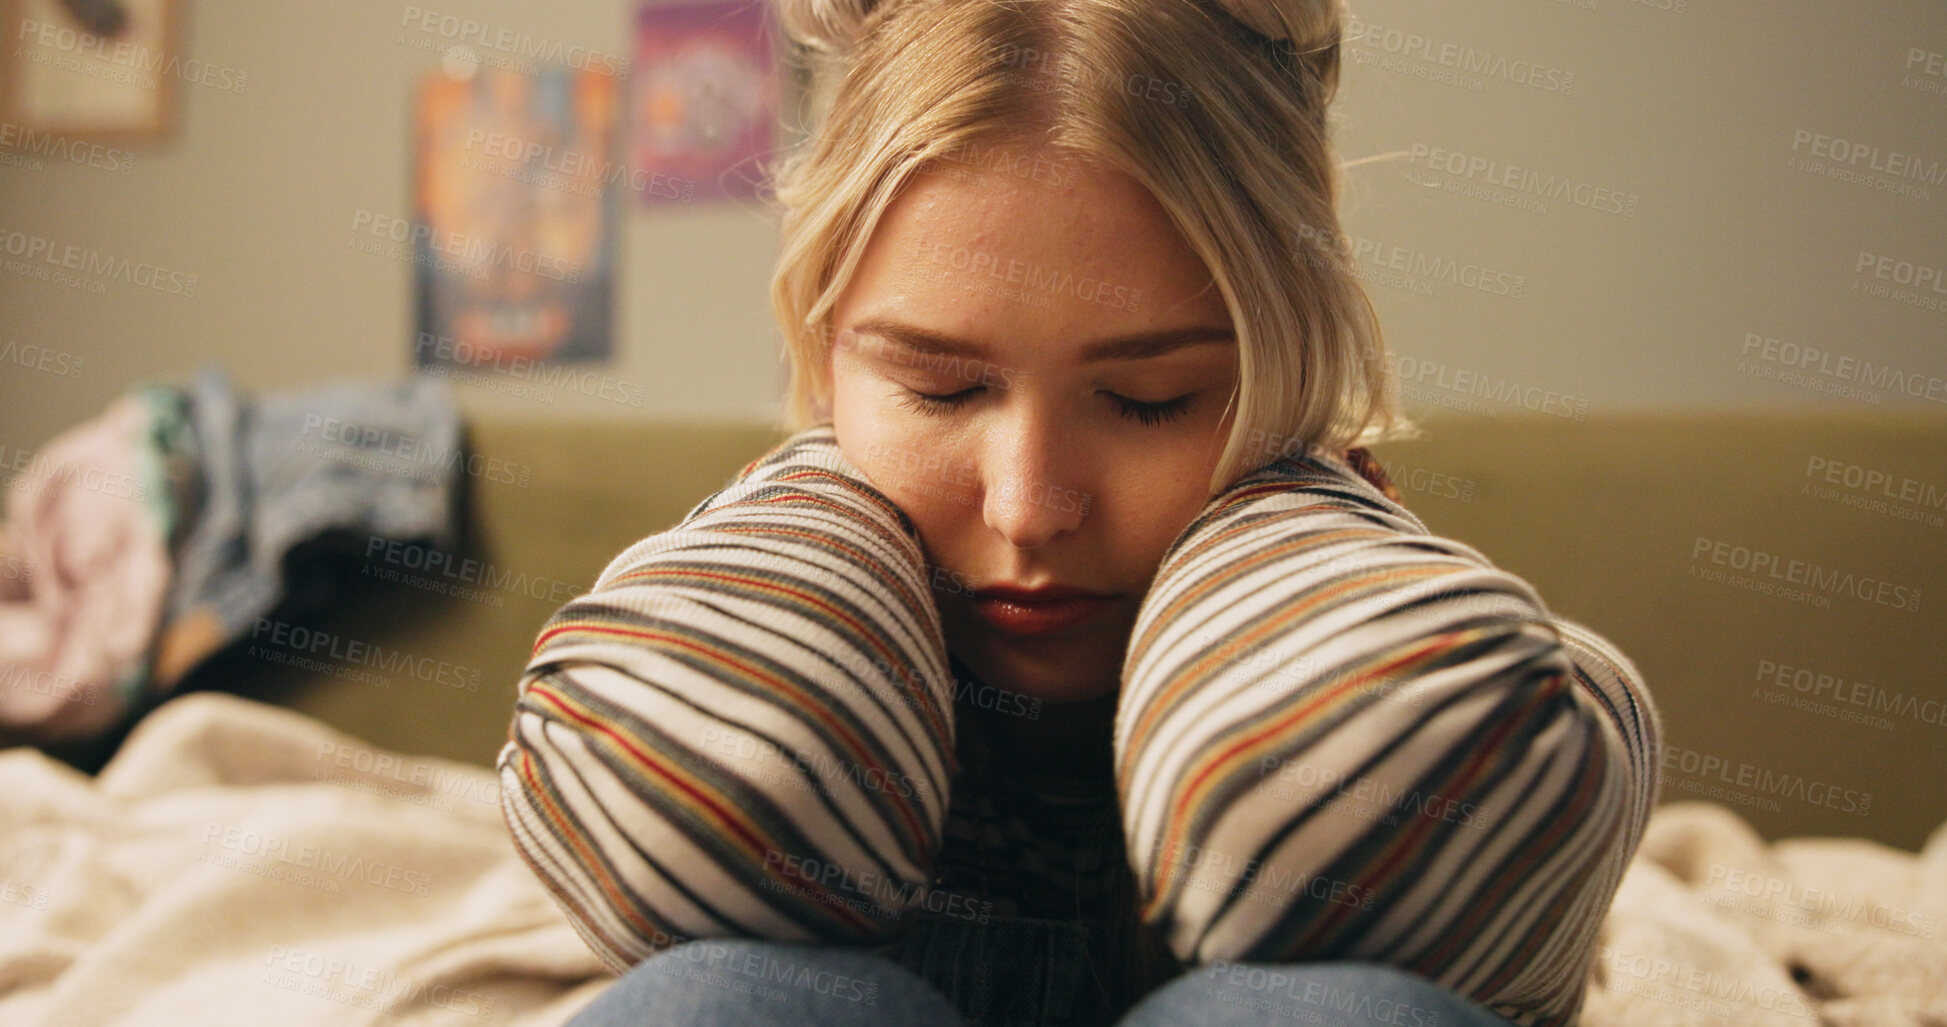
(87, 569)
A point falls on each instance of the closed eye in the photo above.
(1151, 414)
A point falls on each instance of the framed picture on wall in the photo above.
(101, 70)
(514, 217)
(704, 98)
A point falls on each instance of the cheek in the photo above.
(940, 496)
(1159, 511)
(909, 466)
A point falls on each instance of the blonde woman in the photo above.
(1073, 662)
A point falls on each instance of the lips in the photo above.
(1034, 618)
(1045, 593)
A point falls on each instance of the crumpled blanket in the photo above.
(236, 863)
(141, 542)
(239, 863)
(1713, 925)
(86, 548)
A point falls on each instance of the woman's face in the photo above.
(1086, 363)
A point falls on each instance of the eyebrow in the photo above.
(1124, 347)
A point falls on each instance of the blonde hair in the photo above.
(1218, 109)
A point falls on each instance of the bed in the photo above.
(236, 862)
(282, 845)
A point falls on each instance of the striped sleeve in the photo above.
(744, 729)
(1343, 737)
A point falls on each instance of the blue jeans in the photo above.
(735, 982)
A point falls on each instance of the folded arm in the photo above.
(745, 729)
(1343, 737)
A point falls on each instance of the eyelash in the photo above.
(1152, 414)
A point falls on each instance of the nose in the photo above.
(1028, 498)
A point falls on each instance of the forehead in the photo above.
(1076, 206)
(1030, 261)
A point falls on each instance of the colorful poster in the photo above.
(514, 223)
(705, 94)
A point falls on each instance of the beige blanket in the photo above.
(1713, 926)
(236, 863)
(241, 864)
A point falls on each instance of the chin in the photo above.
(1055, 671)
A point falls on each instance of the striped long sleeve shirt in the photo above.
(1343, 737)
(1339, 737)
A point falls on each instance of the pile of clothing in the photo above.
(138, 544)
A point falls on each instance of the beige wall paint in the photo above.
(1692, 107)
(257, 195)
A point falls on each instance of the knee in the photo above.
(734, 981)
(1339, 994)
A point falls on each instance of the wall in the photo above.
(1693, 114)
(257, 197)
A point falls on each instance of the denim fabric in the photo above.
(747, 983)
(1317, 994)
(735, 982)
